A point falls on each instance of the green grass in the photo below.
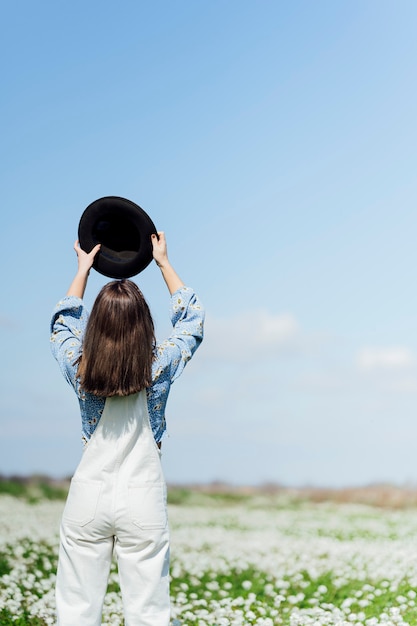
(210, 578)
(7, 619)
(33, 489)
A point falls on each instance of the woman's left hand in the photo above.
(85, 262)
(85, 259)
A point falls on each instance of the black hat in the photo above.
(124, 231)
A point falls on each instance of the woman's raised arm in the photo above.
(85, 262)
(160, 254)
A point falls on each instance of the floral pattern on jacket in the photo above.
(68, 324)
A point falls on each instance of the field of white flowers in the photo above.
(258, 560)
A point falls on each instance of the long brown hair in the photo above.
(118, 343)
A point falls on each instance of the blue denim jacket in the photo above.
(69, 320)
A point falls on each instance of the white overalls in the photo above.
(117, 500)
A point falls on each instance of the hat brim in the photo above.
(124, 231)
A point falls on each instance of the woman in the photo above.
(117, 498)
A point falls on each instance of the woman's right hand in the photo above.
(160, 254)
(159, 245)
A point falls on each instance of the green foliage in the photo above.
(237, 559)
(7, 619)
(179, 495)
(183, 496)
(5, 567)
(33, 489)
(13, 488)
(52, 492)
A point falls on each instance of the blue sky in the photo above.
(275, 144)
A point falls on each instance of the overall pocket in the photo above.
(82, 500)
(147, 505)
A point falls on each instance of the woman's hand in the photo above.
(159, 245)
(85, 262)
(160, 254)
(85, 259)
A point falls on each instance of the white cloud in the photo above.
(388, 358)
(250, 334)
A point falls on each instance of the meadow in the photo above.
(287, 558)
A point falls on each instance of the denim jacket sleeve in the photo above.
(70, 318)
(187, 317)
(68, 323)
